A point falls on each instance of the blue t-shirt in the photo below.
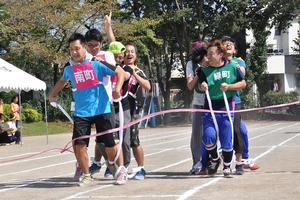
(241, 63)
(89, 94)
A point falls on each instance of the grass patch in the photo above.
(39, 128)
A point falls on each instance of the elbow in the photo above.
(244, 84)
(148, 87)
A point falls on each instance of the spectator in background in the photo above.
(1, 106)
(8, 131)
(15, 110)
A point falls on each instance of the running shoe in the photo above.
(94, 168)
(213, 166)
(138, 173)
(84, 180)
(107, 172)
(239, 169)
(250, 164)
(121, 176)
(203, 172)
(227, 171)
(196, 169)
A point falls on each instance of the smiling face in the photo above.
(130, 55)
(230, 47)
(93, 47)
(77, 51)
(214, 56)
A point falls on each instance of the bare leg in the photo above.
(138, 153)
(82, 157)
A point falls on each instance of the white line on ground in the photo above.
(275, 130)
(112, 185)
(191, 192)
(154, 196)
(38, 168)
(18, 155)
(32, 159)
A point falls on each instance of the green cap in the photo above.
(116, 47)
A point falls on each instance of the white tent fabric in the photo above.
(13, 78)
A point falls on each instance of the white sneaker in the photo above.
(121, 176)
(85, 180)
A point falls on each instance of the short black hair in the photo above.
(228, 38)
(76, 36)
(198, 54)
(93, 34)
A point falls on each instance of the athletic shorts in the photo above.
(82, 127)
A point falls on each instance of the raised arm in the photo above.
(107, 25)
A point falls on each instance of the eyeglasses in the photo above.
(93, 46)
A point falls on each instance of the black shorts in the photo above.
(82, 127)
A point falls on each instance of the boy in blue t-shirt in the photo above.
(92, 105)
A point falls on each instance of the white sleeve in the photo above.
(110, 58)
(189, 70)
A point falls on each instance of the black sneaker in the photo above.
(227, 171)
(213, 166)
(239, 169)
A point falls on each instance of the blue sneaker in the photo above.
(107, 172)
(140, 175)
(94, 168)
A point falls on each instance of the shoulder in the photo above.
(127, 69)
(189, 64)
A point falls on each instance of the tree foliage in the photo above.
(35, 36)
(38, 32)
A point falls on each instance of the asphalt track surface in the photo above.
(274, 145)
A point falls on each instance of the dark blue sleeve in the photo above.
(239, 75)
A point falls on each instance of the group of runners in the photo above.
(104, 89)
(103, 83)
(216, 75)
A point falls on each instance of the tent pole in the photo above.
(46, 117)
(21, 123)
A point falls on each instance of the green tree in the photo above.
(38, 32)
(297, 48)
(263, 15)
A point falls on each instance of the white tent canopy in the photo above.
(15, 79)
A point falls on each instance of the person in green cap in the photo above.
(118, 49)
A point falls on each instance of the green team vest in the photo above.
(215, 76)
(196, 88)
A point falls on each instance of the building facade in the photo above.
(282, 74)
